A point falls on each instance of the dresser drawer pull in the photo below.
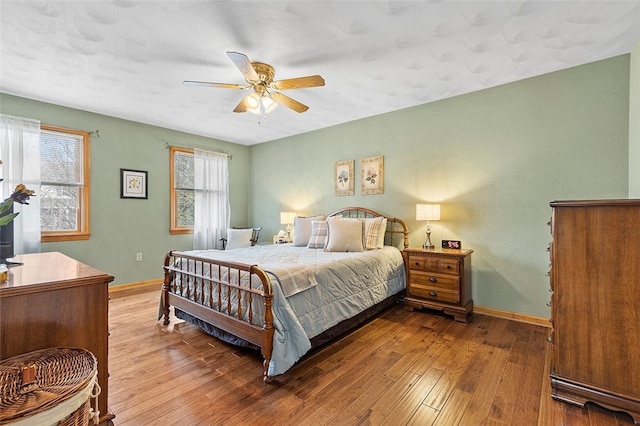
(416, 263)
(433, 294)
(433, 279)
(448, 266)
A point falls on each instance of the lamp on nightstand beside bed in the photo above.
(287, 218)
(428, 212)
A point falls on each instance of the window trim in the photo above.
(174, 229)
(83, 232)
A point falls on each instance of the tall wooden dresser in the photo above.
(53, 300)
(595, 306)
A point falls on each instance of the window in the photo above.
(182, 190)
(64, 198)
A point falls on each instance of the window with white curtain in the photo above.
(199, 195)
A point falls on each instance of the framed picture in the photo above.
(372, 169)
(133, 184)
(344, 179)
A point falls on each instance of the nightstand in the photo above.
(280, 240)
(439, 279)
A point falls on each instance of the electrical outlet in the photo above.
(138, 257)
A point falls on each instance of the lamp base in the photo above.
(427, 244)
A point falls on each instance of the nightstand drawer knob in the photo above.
(433, 279)
(433, 294)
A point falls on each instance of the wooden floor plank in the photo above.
(400, 368)
(483, 394)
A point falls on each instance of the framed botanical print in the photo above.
(344, 177)
(372, 169)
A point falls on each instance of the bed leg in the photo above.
(165, 307)
(165, 312)
(166, 285)
(266, 378)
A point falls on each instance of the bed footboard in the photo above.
(234, 297)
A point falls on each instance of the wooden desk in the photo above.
(53, 300)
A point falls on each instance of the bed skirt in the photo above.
(319, 340)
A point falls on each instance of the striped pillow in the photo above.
(373, 230)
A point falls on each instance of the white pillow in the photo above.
(344, 234)
(302, 229)
(374, 232)
(319, 234)
(238, 238)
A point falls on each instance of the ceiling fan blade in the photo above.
(288, 102)
(244, 65)
(242, 105)
(298, 83)
(211, 84)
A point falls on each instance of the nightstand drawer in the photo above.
(434, 280)
(417, 262)
(449, 266)
(434, 293)
(433, 264)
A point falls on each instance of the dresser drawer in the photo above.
(434, 264)
(434, 293)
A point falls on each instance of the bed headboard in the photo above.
(395, 227)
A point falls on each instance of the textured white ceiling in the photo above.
(127, 58)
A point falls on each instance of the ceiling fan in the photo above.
(259, 77)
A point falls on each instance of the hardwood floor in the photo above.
(402, 368)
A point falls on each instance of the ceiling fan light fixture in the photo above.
(258, 104)
(268, 104)
(253, 103)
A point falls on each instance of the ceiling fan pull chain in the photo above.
(263, 112)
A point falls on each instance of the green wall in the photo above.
(120, 228)
(494, 159)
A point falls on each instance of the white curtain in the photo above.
(212, 209)
(20, 155)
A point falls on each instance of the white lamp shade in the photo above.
(427, 211)
(253, 103)
(268, 103)
(287, 218)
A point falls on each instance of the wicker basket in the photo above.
(51, 386)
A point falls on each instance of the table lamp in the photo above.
(428, 212)
(287, 218)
